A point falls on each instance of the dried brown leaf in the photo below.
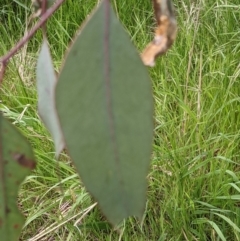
(165, 32)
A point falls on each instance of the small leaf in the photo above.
(16, 162)
(46, 81)
(105, 106)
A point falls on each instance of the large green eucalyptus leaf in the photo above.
(16, 162)
(105, 107)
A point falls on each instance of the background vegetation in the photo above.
(194, 180)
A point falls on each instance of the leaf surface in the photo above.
(46, 81)
(105, 106)
(16, 162)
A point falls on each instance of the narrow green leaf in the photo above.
(16, 161)
(230, 197)
(233, 175)
(105, 106)
(229, 221)
(217, 229)
(236, 187)
(213, 225)
(46, 81)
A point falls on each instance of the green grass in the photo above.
(194, 181)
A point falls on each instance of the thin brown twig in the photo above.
(44, 6)
(43, 11)
(4, 60)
